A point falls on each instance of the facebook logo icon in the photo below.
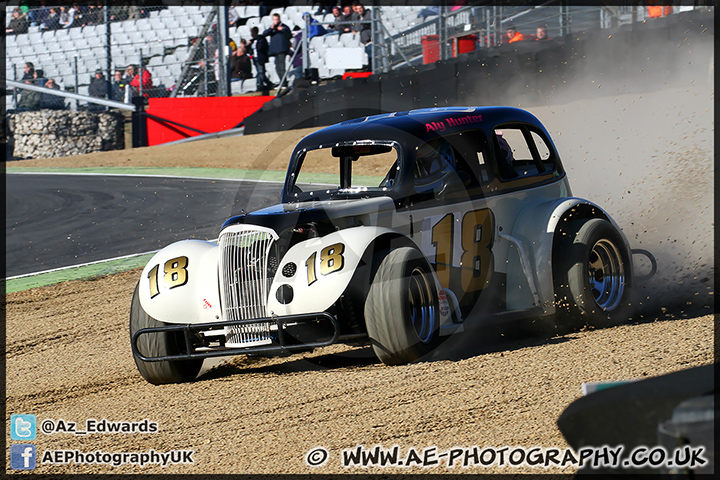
(23, 427)
(23, 457)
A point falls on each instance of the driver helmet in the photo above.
(434, 157)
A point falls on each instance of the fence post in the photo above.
(108, 49)
(139, 123)
(76, 83)
(223, 51)
(304, 46)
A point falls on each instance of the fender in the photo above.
(323, 269)
(535, 228)
(180, 283)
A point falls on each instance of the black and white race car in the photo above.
(395, 229)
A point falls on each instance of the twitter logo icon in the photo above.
(23, 427)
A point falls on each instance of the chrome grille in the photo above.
(245, 254)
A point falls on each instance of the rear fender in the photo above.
(535, 228)
(180, 283)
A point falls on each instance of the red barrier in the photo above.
(208, 114)
(347, 75)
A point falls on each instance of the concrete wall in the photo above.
(629, 59)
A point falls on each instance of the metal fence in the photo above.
(88, 46)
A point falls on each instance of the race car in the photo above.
(396, 230)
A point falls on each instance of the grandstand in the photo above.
(162, 38)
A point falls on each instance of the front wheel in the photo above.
(592, 274)
(159, 344)
(402, 307)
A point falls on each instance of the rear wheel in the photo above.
(160, 344)
(592, 275)
(401, 311)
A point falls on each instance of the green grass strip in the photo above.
(228, 173)
(76, 273)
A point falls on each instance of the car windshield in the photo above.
(351, 168)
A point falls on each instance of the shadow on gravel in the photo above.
(359, 357)
(471, 343)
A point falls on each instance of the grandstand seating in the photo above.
(164, 37)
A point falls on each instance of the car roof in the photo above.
(417, 125)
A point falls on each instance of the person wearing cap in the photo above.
(50, 101)
(98, 89)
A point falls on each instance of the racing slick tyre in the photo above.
(592, 275)
(402, 308)
(159, 344)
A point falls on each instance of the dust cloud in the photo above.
(642, 148)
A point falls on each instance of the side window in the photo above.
(472, 153)
(521, 152)
(544, 152)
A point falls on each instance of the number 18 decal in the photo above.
(331, 260)
(476, 241)
(175, 275)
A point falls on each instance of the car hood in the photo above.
(329, 213)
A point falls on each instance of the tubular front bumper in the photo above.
(284, 341)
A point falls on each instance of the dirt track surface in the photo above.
(68, 353)
(69, 358)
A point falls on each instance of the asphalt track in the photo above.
(55, 221)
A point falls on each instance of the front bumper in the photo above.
(294, 332)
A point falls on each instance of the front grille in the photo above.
(245, 258)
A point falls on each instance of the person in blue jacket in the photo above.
(279, 41)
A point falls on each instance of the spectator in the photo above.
(513, 35)
(50, 101)
(67, 17)
(39, 77)
(240, 66)
(38, 16)
(18, 24)
(314, 28)
(431, 10)
(52, 21)
(279, 48)
(336, 28)
(147, 83)
(233, 15)
(541, 34)
(118, 86)
(324, 7)
(362, 25)
(259, 47)
(297, 63)
(118, 13)
(94, 15)
(29, 100)
(98, 89)
(29, 73)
